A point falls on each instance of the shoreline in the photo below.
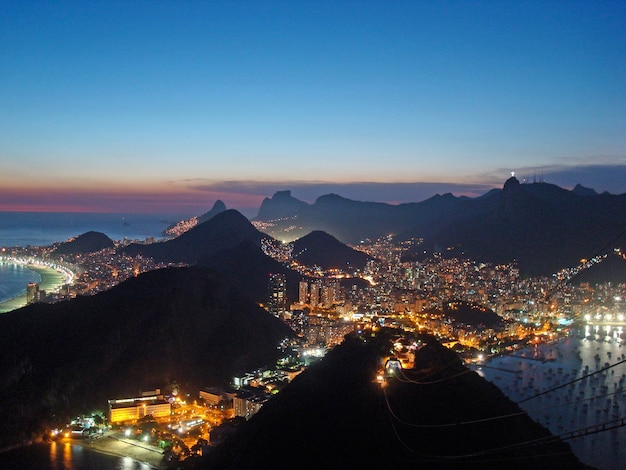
(119, 447)
(51, 280)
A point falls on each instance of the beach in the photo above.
(110, 451)
(121, 447)
(51, 280)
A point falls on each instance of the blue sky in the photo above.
(169, 105)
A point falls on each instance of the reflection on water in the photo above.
(573, 385)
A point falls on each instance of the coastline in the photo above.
(50, 281)
(120, 447)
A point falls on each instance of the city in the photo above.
(503, 313)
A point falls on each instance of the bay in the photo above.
(13, 280)
(575, 384)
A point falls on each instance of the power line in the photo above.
(571, 381)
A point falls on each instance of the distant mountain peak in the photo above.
(583, 191)
(224, 230)
(281, 205)
(511, 184)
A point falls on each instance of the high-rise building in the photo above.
(315, 295)
(32, 292)
(277, 304)
(303, 292)
(328, 297)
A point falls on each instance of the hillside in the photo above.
(336, 415)
(184, 225)
(321, 249)
(182, 324)
(225, 230)
(88, 242)
(247, 268)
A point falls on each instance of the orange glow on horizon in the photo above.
(121, 201)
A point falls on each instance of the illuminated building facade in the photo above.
(277, 304)
(32, 292)
(303, 292)
(131, 409)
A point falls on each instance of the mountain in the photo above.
(582, 191)
(321, 249)
(88, 242)
(218, 207)
(541, 226)
(182, 324)
(435, 415)
(182, 226)
(281, 205)
(224, 230)
(247, 268)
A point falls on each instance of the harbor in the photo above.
(575, 387)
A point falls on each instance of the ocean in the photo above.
(45, 228)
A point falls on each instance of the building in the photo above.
(32, 292)
(249, 401)
(216, 396)
(277, 304)
(303, 292)
(315, 295)
(131, 409)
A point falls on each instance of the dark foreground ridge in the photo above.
(175, 324)
(336, 415)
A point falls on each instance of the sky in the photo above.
(166, 106)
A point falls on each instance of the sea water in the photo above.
(65, 456)
(45, 228)
(576, 384)
(13, 280)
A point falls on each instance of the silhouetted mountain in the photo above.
(582, 191)
(217, 208)
(335, 415)
(543, 227)
(183, 225)
(247, 268)
(88, 242)
(182, 324)
(281, 205)
(321, 249)
(224, 230)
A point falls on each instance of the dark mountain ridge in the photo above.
(88, 242)
(182, 324)
(336, 415)
(321, 249)
(541, 226)
(225, 230)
